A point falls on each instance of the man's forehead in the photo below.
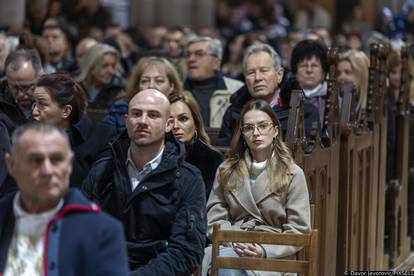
(262, 55)
(148, 107)
(31, 140)
(202, 45)
(259, 59)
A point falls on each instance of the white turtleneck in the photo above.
(256, 168)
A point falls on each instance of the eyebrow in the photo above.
(263, 121)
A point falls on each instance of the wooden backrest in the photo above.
(307, 241)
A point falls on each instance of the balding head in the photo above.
(148, 118)
(153, 96)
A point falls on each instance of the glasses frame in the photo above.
(199, 54)
(24, 89)
(262, 131)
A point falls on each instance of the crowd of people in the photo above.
(95, 119)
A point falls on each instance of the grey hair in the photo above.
(262, 47)
(16, 59)
(38, 127)
(93, 58)
(213, 43)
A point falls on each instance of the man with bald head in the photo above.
(143, 181)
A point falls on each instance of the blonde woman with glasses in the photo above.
(258, 188)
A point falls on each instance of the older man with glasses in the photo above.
(205, 81)
(22, 68)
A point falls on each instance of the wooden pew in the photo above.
(380, 136)
(213, 134)
(397, 189)
(320, 163)
(306, 266)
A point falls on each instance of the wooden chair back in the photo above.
(307, 241)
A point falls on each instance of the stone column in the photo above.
(12, 13)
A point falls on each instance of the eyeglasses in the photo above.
(25, 89)
(262, 128)
(199, 54)
(304, 66)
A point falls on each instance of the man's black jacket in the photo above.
(164, 217)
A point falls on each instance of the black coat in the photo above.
(206, 159)
(88, 139)
(164, 217)
(99, 107)
(11, 116)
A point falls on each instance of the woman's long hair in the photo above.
(188, 99)
(279, 157)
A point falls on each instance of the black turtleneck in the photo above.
(202, 92)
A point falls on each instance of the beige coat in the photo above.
(260, 209)
(220, 101)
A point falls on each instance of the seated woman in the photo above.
(101, 79)
(353, 67)
(189, 129)
(258, 188)
(150, 72)
(61, 101)
(309, 63)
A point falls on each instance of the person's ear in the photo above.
(217, 64)
(66, 111)
(169, 125)
(276, 131)
(9, 163)
(280, 74)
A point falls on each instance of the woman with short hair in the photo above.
(59, 100)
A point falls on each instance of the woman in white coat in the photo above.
(258, 188)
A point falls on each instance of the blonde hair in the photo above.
(139, 69)
(359, 63)
(279, 158)
(93, 58)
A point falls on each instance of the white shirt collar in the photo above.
(136, 175)
(319, 90)
(153, 163)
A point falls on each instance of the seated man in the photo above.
(263, 72)
(48, 228)
(22, 67)
(143, 181)
(262, 69)
(205, 80)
